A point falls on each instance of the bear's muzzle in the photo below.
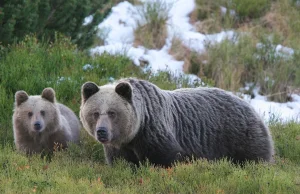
(102, 134)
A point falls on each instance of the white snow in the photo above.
(279, 50)
(121, 24)
(122, 21)
(88, 20)
(87, 67)
(273, 111)
(224, 11)
(285, 50)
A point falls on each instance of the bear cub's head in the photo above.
(107, 113)
(35, 114)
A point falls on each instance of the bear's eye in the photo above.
(42, 112)
(96, 115)
(30, 114)
(111, 114)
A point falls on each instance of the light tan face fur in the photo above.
(35, 109)
(107, 108)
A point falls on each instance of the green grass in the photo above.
(81, 169)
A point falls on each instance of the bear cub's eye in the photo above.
(96, 115)
(42, 112)
(30, 114)
(111, 114)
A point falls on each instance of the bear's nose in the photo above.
(37, 126)
(102, 133)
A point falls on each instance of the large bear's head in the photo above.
(36, 114)
(107, 112)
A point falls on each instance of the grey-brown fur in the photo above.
(58, 124)
(170, 125)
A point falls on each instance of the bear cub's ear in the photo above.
(124, 90)
(88, 89)
(49, 94)
(20, 97)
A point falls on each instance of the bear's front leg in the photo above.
(162, 153)
(166, 158)
(112, 154)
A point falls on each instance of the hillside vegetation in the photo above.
(252, 56)
(33, 64)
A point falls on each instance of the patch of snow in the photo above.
(111, 79)
(224, 11)
(279, 50)
(87, 67)
(274, 111)
(161, 60)
(121, 23)
(88, 20)
(62, 79)
(284, 50)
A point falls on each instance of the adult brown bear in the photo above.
(136, 120)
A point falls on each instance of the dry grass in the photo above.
(208, 26)
(283, 20)
(150, 37)
(193, 61)
(275, 22)
(152, 30)
(213, 70)
(208, 18)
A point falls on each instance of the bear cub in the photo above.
(137, 121)
(40, 123)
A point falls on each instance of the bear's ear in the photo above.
(20, 97)
(49, 94)
(88, 89)
(124, 90)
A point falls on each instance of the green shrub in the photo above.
(19, 18)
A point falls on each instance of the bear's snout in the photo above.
(37, 126)
(102, 134)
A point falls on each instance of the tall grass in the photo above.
(232, 64)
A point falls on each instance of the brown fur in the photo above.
(58, 124)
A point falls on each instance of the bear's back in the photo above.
(216, 122)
